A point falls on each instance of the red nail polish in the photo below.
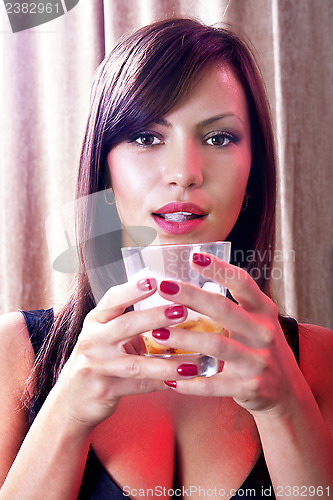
(175, 312)
(221, 366)
(169, 287)
(161, 333)
(201, 260)
(147, 284)
(187, 370)
(170, 383)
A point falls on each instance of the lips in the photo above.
(179, 217)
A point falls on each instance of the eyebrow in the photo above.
(162, 121)
(204, 123)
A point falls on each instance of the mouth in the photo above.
(179, 218)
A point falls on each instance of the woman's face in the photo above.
(185, 175)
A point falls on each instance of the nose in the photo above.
(184, 166)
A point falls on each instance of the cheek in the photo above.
(232, 185)
(130, 182)
(120, 174)
(127, 173)
(119, 182)
(129, 191)
(229, 191)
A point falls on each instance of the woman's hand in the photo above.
(105, 365)
(260, 371)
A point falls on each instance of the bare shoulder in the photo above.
(16, 360)
(13, 332)
(316, 360)
(16, 350)
(316, 345)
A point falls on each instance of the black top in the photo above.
(97, 484)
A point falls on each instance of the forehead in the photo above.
(218, 91)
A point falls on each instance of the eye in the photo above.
(146, 139)
(220, 139)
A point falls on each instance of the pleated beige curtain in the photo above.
(46, 74)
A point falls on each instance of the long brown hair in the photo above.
(142, 79)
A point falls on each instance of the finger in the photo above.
(220, 385)
(126, 387)
(127, 326)
(240, 323)
(119, 297)
(211, 344)
(242, 287)
(136, 346)
(143, 367)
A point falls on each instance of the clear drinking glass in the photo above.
(172, 262)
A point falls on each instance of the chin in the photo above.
(171, 239)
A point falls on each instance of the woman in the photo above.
(179, 127)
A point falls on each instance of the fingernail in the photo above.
(175, 312)
(169, 287)
(170, 383)
(147, 284)
(221, 366)
(187, 370)
(201, 260)
(161, 333)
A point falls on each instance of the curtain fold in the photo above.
(46, 73)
